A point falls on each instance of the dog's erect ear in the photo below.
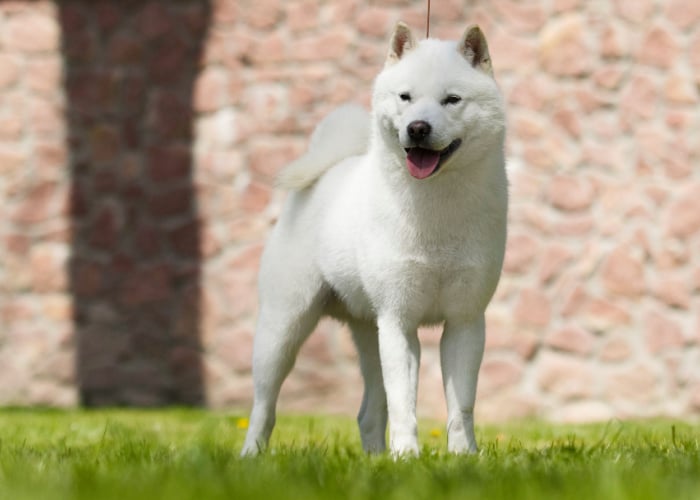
(473, 47)
(401, 42)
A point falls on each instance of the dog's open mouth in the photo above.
(423, 162)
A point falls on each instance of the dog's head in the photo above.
(436, 103)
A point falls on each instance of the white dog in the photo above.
(394, 221)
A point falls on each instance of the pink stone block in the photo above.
(32, 32)
(623, 272)
(533, 309)
(565, 47)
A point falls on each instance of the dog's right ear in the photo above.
(401, 42)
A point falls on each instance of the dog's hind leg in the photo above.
(461, 351)
(280, 333)
(372, 418)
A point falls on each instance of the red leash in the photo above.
(427, 22)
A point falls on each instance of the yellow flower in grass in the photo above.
(242, 423)
(435, 432)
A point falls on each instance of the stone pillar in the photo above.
(134, 275)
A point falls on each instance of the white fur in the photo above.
(372, 246)
(341, 134)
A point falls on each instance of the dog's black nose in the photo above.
(418, 130)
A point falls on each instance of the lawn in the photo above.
(178, 454)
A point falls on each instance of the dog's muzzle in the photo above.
(423, 162)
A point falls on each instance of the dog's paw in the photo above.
(463, 449)
(251, 450)
(404, 448)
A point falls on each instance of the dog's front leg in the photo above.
(399, 352)
(461, 351)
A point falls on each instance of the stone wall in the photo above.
(139, 140)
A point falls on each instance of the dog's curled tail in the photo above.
(341, 134)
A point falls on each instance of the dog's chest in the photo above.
(439, 261)
(427, 285)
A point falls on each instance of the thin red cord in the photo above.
(427, 22)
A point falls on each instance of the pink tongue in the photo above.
(422, 162)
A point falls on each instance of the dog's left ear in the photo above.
(474, 48)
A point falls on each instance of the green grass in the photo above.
(178, 454)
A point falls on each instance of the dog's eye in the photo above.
(451, 99)
(405, 96)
